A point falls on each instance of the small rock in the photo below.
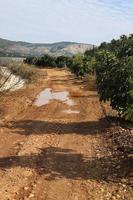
(123, 185)
(113, 198)
(131, 131)
(102, 190)
(42, 169)
(31, 195)
(123, 180)
(118, 196)
(118, 167)
(26, 188)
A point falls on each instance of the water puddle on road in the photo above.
(47, 95)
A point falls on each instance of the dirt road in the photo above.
(56, 151)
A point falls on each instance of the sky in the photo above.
(47, 21)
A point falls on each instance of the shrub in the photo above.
(81, 65)
(114, 81)
(43, 61)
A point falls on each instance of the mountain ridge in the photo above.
(22, 49)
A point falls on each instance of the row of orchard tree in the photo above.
(112, 64)
(79, 64)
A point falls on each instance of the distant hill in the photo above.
(22, 49)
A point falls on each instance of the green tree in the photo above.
(114, 80)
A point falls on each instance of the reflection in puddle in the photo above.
(47, 95)
(71, 111)
(44, 97)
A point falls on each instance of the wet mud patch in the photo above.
(47, 95)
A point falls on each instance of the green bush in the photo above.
(43, 61)
(81, 65)
(61, 61)
(114, 81)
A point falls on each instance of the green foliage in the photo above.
(91, 52)
(82, 65)
(114, 70)
(29, 60)
(44, 61)
(128, 114)
(78, 64)
(122, 47)
(61, 61)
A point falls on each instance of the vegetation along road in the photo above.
(55, 143)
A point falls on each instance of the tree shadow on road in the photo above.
(56, 163)
(28, 127)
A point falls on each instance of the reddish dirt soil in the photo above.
(46, 154)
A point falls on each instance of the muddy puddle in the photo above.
(48, 95)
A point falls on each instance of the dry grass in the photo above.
(24, 71)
